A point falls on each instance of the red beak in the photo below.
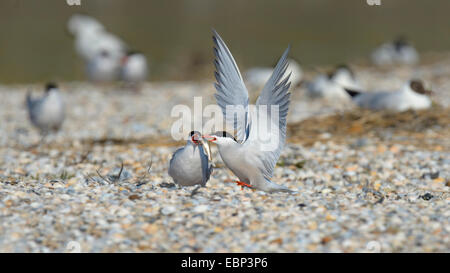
(209, 138)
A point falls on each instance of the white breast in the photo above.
(135, 69)
(51, 112)
(103, 69)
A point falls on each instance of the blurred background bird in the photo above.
(47, 112)
(399, 51)
(134, 69)
(170, 35)
(331, 86)
(412, 95)
(91, 38)
(103, 67)
(107, 57)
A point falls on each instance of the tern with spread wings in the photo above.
(250, 157)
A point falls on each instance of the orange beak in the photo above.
(210, 138)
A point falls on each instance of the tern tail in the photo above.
(269, 186)
(352, 93)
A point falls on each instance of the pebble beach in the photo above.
(365, 181)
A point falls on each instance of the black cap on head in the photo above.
(345, 66)
(330, 74)
(417, 86)
(50, 85)
(400, 42)
(224, 134)
(195, 139)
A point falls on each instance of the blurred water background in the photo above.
(176, 35)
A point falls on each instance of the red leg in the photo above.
(239, 183)
(243, 184)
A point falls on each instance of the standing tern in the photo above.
(48, 112)
(248, 157)
(190, 165)
(412, 95)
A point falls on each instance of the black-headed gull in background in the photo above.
(331, 86)
(190, 165)
(396, 52)
(248, 157)
(412, 95)
(47, 113)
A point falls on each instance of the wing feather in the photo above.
(231, 90)
(275, 93)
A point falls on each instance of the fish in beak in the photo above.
(206, 148)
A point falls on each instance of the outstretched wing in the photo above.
(231, 90)
(272, 108)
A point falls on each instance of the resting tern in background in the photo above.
(344, 76)
(412, 95)
(190, 165)
(48, 112)
(331, 86)
(248, 157)
(134, 69)
(103, 68)
(397, 52)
